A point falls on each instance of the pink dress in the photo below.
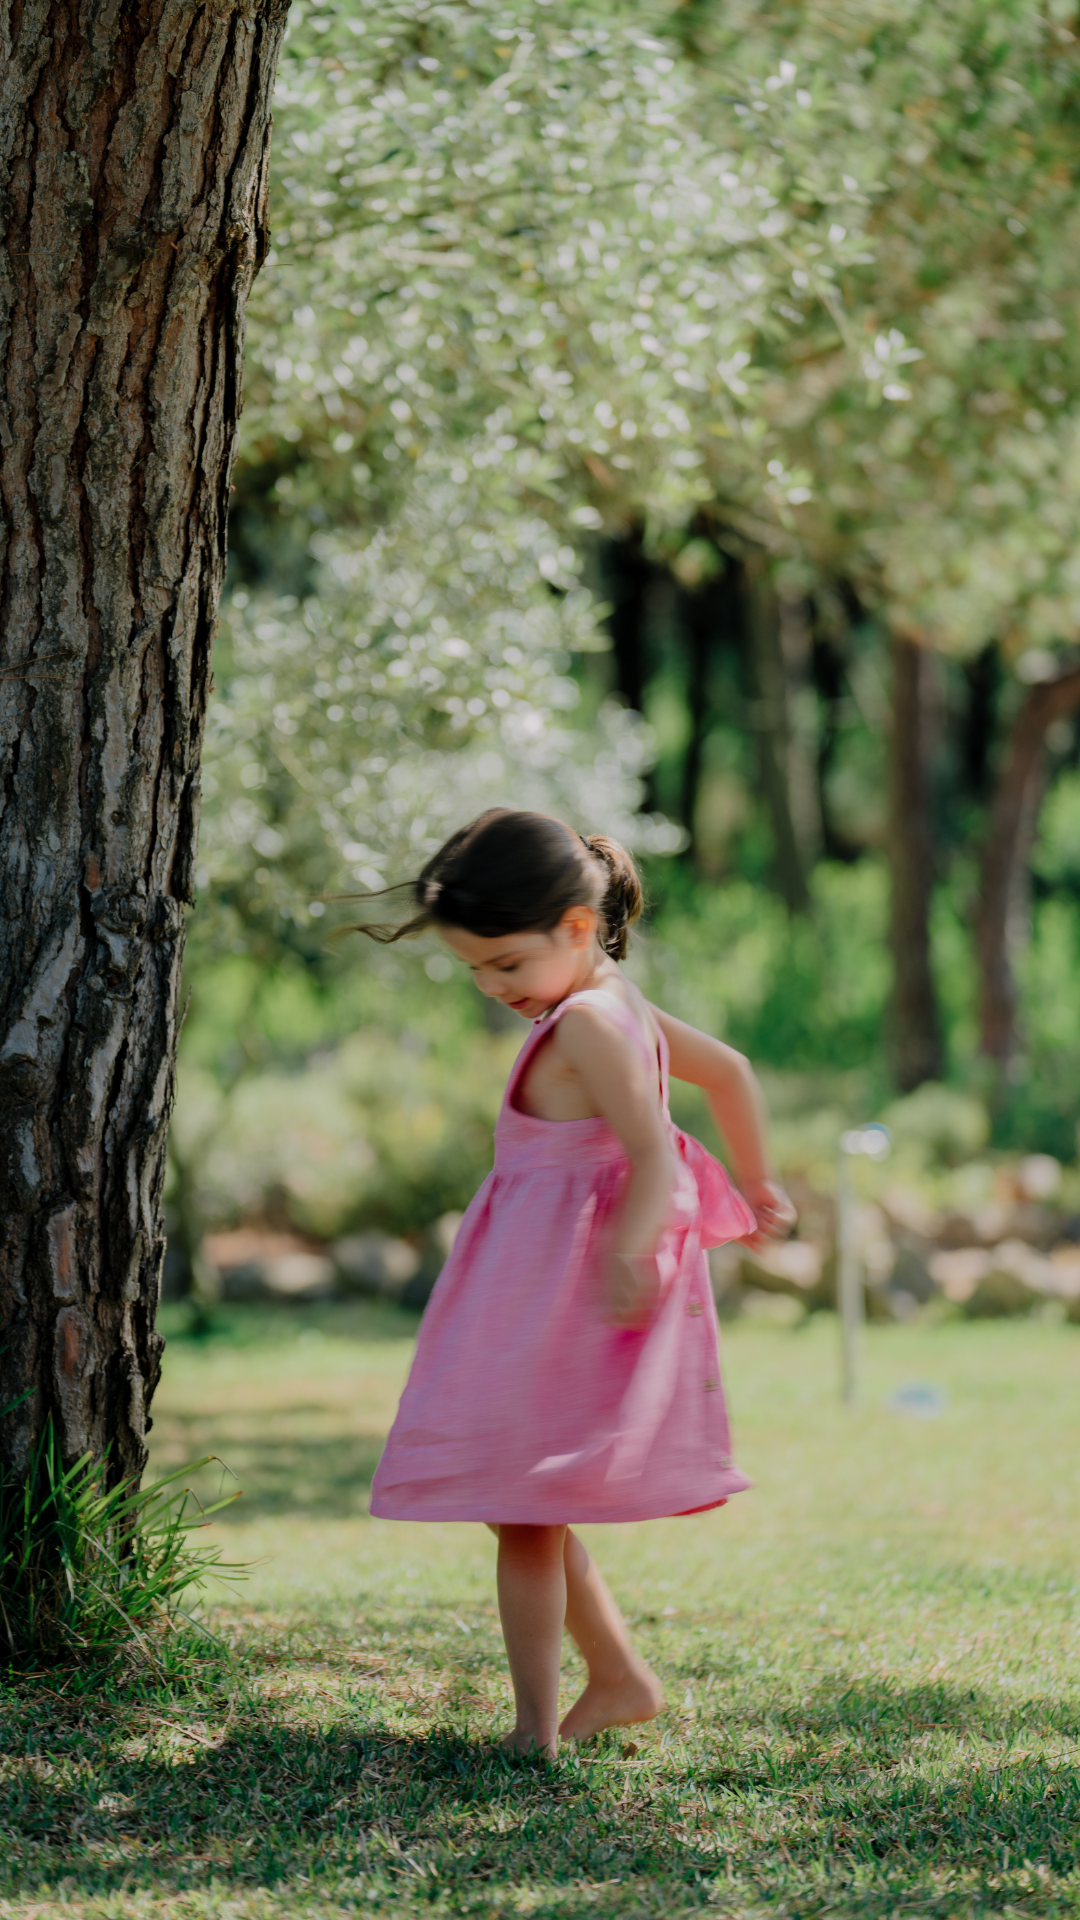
(524, 1402)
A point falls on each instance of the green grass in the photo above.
(872, 1663)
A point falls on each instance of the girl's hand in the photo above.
(633, 1289)
(775, 1214)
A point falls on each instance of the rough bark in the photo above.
(768, 712)
(1004, 867)
(133, 155)
(915, 1026)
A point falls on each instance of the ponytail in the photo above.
(622, 900)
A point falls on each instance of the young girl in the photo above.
(567, 1367)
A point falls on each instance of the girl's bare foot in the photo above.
(517, 1743)
(624, 1702)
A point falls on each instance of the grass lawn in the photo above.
(872, 1663)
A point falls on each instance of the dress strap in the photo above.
(620, 1016)
(627, 1022)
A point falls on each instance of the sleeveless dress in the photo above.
(524, 1402)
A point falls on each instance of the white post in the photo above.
(848, 1281)
(873, 1141)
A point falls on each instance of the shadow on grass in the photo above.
(866, 1799)
(883, 1712)
(280, 1472)
(234, 1325)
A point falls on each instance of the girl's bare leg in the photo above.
(621, 1689)
(532, 1607)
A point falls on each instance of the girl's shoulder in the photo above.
(620, 1005)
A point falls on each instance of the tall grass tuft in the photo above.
(90, 1573)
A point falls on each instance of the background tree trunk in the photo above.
(133, 156)
(1004, 868)
(698, 617)
(835, 611)
(983, 676)
(796, 650)
(628, 575)
(768, 701)
(915, 1036)
(711, 620)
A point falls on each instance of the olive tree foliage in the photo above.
(935, 397)
(525, 242)
(804, 271)
(810, 266)
(948, 479)
(512, 264)
(424, 681)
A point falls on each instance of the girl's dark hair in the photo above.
(511, 872)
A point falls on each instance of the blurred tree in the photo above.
(627, 573)
(466, 253)
(133, 145)
(540, 232)
(523, 249)
(767, 682)
(709, 609)
(982, 675)
(827, 668)
(800, 270)
(915, 1019)
(936, 396)
(1005, 866)
(415, 688)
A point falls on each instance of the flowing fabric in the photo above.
(524, 1402)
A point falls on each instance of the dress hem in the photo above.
(576, 1517)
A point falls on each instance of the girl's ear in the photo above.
(580, 925)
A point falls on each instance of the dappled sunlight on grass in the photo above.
(870, 1660)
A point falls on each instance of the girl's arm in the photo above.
(731, 1088)
(619, 1086)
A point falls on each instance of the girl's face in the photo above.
(531, 972)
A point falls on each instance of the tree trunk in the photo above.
(768, 702)
(711, 618)
(915, 1034)
(629, 575)
(133, 153)
(983, 676)
(1007, 845)
(796, 645)
(835, 611)
(699, 611)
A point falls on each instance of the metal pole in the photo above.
(849, 1282)
(873, 1141)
